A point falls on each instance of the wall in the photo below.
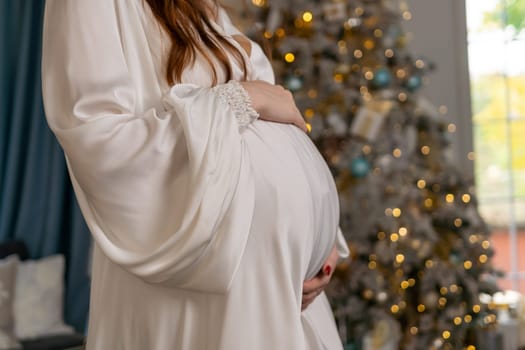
(439, 33)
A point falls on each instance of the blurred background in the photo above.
(418, 108)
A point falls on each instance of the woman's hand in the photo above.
(274, 103)
(315, 286)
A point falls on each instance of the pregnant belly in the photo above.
(295, 191)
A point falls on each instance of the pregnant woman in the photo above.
(208, 204)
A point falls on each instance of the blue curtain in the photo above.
(37, 204)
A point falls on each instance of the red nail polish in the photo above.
(327, 270)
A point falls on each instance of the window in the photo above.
(496, 44)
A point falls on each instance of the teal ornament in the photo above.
(393, 32)
(447, 138)
(359, 167)
(350, 346)
(413, 83)
(293, 83)
(455, 258)
(382, 78)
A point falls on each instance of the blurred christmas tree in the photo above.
(420, 251)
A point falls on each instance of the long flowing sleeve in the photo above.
(166, 190)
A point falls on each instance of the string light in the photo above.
(280, 32)
(309, 113)
(442, 301)
(400, 258)
(403, 231)
(467, 318)
(402, 97)
(396, 212)
(401, 73)
(397, 153)
(476, 309)
(413, 330)
(490, 319)
(382, 297)
(389, 53)
(368, 294)
(307, 16)
(485, 244)
(312, 93)
(451, 128)
(425, 150)
(351, 23)
(259, 3)
(421, 308)
(458, 320)
(449, 198)
(289, 57)
(369, 44)
(467, 265)
(421, 184)
(466, 198)
(394, 309)
(394, 237)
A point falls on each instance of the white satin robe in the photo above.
(204, 230)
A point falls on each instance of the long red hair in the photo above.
(189, 26)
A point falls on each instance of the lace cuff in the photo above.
(238, 99)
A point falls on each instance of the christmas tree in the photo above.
(421, 254)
